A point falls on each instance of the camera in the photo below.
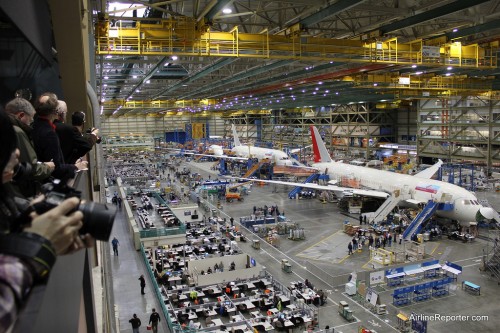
(97, 218)
(98, 137)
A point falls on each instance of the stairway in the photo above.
(297, 189)
(253, 169)
(493, 262)
(387, 206)
(416, 224)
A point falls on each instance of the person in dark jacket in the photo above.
(143, 284)
(21, 114)
(73, 144)
(46, 141)
(136, 323)
(154, 319)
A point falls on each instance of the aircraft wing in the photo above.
(429, 172)
(339, 191)
(224, 157)
(182, 151)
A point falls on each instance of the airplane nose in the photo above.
(485, 213)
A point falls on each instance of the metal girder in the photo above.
(201, 74)
(216, 9)
(331, 10)
(159, 104)
(148, 76)
(429, 15)
(241, 76)
(495, 24)
(181, 38)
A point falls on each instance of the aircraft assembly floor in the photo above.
(322, 254)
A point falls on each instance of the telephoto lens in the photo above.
(97, 219)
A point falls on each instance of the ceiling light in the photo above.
(148, 81)
(174, 57)
(418, 73)
(106, 77)
(455, 30)
(227, 10)
(449, 68)
(109, 56)
(375, 84)
(135, 76)
(413, 66)
(105, 85)
(448, 74)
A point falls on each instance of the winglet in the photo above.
(235, 136)
(429, 172)
(319, 148)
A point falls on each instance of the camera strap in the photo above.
(34, 249)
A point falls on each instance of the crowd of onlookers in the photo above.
(38, 147)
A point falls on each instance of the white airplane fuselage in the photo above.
(277, 156)
(465, 204)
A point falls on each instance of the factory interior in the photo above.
(287, 165)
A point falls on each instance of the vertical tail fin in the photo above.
(235, 136)
(319, 148)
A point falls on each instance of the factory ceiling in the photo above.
(228, 55)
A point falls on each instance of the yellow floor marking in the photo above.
(432, 252)
(315, 244)
(369, 261)
(341, 260)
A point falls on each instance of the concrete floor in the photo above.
(322, 254)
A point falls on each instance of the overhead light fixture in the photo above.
(448, 74)
(135, 76)
(418, 73)
(455, 30)
(148, 81)
(413, 66)
(449, 68)
(106, 77)
(227, 10)
(174, 57)
(109, 56)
